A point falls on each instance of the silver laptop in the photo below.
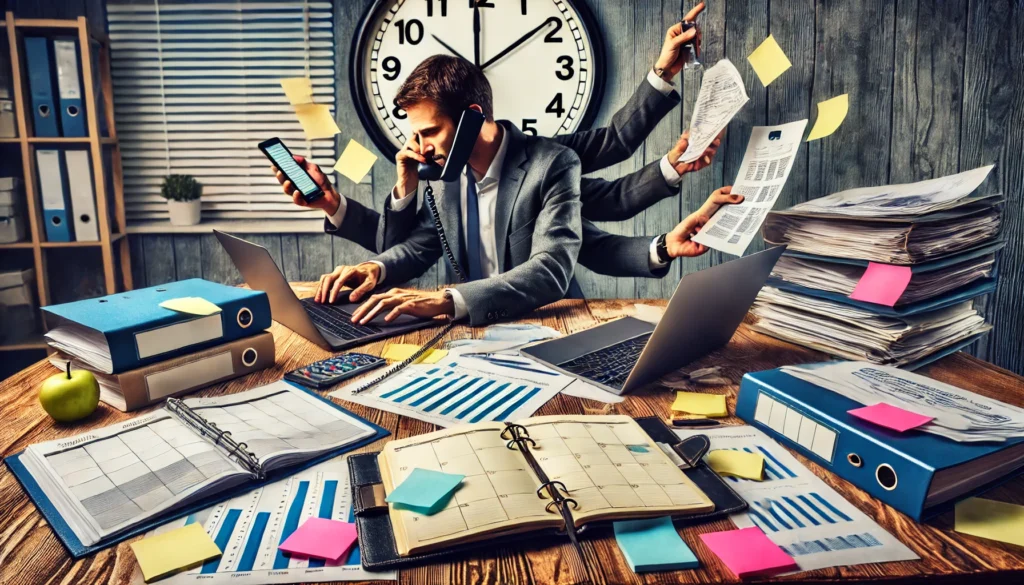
(329, 326)
(704, 312)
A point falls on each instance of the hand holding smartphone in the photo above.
(310, 191)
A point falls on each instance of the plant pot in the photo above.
(184, 212)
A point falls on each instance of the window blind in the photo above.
(196, 88)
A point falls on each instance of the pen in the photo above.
(695, 422)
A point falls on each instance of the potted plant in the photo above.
(182, 194)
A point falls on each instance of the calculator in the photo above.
(326, 373)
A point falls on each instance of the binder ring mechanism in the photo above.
(239, 451)
(516, 435)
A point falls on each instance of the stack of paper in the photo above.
(885, 274)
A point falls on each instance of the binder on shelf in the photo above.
(53, 188)
(69, 87)
(153, 383)
(83, 200)
(40, 82)
(919, 474)
(128, 330)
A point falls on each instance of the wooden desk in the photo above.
(29, 552)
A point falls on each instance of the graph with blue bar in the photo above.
(796, 511)
(465, 390)
(249, 528)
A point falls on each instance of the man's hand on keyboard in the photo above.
(362, 278)
(405, 301)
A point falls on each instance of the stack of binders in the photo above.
(8, 122)
(12, 223)
(940, 234)
(142, 353)
(17, 305)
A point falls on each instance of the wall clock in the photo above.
(543, 58)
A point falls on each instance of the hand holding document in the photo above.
(721, 97)
(762, 175)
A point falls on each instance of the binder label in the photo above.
(165, 339)
(800, 429)
(67, 70)
(190, 375)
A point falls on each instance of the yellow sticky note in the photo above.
(831, 114)
(355, 162)
(317, 121)
(177, 550)
(990, 519)
(191, 305)
(398, 352)
(769, 61)
(298, 89)
(737, 464)
(696, 403)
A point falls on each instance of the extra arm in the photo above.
(615, 255)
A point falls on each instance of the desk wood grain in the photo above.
(30, 553)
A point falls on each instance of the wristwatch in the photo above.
(662, 249)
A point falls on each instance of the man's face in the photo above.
(435, 131)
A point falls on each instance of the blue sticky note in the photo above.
(425, 491)
(652, 544)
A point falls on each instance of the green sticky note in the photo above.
(652, 544)
(425, 491)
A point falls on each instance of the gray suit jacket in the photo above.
(602, 200)
(537, 230)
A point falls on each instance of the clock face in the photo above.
(545, 84)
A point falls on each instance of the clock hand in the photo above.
(521, 40)
(476, 34)
(447, 46)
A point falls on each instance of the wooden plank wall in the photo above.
(935, 88)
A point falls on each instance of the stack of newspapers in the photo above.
(941, 229)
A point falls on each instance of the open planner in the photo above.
(105, 485)
(559, 473)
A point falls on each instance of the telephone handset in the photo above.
(465, 139)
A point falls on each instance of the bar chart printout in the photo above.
(464, 390)
(249, 528)
(800, 513)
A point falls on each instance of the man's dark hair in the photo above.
(451, 83)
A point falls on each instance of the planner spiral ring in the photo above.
(555, 484)
(409, 360)
(240, 451)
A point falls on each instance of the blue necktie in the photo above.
(473, 227)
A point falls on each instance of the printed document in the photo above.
(721, 97)
(763, 173)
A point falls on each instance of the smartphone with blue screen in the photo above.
(282, 158)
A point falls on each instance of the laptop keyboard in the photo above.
(609, 365)
(336, 321)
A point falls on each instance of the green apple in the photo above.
(70, 396)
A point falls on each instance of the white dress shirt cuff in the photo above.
(656, 263)
(397, 204)
(339, 215)
(460, 303)
(383, 271)
(659, 84)
(669, 172)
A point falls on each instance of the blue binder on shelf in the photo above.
(40, 83)
(910, 471)
(137, 331)
(53, 187)
(78, 550)
(69, 87)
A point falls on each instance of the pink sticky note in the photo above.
(882, 284)
(321, 538)
(748, 552)
(890, 417)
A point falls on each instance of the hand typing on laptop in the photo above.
(362, 278)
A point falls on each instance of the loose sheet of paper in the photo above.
(748, 552)
(890, 417)
(721, 97)
(697, 403)
(990, 519)
(355, 161)
(882, 284)
(321, 538)
(769, 61)
(762, 175)
(737, 464)
(831, 114)
(298, 89)
(425, 490)
(317, 121)
(580, 388)
(172, 551)
(398, 352)
(652, 544)
(798, 511)
(191, 305)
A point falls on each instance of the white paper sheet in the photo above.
(762, 175)
(799, 512)
(721, 97)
